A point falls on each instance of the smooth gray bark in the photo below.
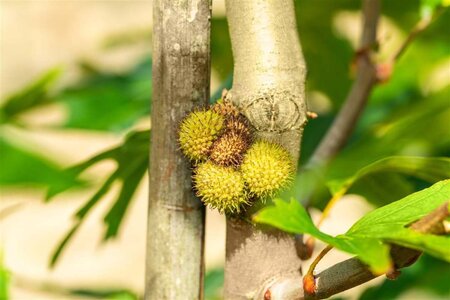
(269, 88)
(181, 74)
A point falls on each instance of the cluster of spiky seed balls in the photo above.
(231, 169)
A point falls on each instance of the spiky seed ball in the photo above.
(266, 169)
(235, 121)
(197, 133)
(225, 108)
(229, 149)
(220, 187)
(239, 125)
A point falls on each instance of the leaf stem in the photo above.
(309, 280)
(417, 29)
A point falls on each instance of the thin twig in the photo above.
(344, 123)
(319, 257)
(366, 78)
(418, 28)
(309, 281)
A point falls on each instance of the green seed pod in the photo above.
(197, 133)
(266, 169)
(220, 187)
(229, 149)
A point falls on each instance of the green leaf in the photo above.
(368, 238)
(431, 169)
(109, 102)
(29, 97)
(402, 132)
(4, 279)
(390, 222)
(132, 163)
(321, 45)
(58, 251)
(130, 183)
(221, 55)
(20, 167)
(382, 188)
(292, 217)
(105, 294)
(428, 7)
(213, 284)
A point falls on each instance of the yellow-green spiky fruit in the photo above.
(220, 187)
(229, 149)
(267, 168)
(198, 131)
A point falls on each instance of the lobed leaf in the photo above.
(430, 169)
(31, 96)
(369, 237)
(132, 164)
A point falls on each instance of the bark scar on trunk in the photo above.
(273, 110)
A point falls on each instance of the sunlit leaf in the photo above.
(106, 294)
(382, 188)
(34, 94)
(369, 236)
(4, 279)
(20, 167)
(111, 102)
(213, 284)
(293, 218)
(132, 164)
(221, 56)
(431, 169)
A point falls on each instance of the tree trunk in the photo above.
(181, 74)
(269, 88)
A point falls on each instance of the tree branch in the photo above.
(366, 77)
(181, 74)
(269, 89)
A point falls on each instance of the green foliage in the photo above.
(431, 169)
(99, 101)
(213, 284)
(104, 294)
(35, 94)
(21, 166)
(129, 174)
(221, 55)
(419, 129)
(321, 45)
(4, 279)
(368, 238)
(428, 7)
(106, 101)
